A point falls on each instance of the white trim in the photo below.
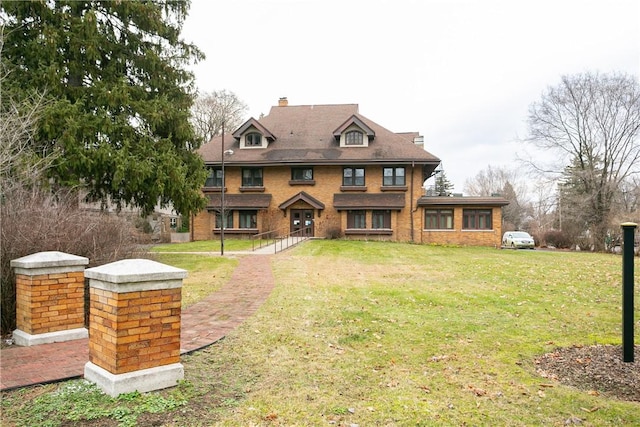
(26, 340)
(143, 380)
(353, 127)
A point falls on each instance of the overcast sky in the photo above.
(463, 73)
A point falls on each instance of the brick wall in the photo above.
(134, 330)
(134, 335)
(49, 302)
(328, 180)
(458, 236)
(49, 298)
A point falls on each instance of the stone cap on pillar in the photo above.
(48, 263)
(131, 275)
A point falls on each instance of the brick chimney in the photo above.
(282, 102)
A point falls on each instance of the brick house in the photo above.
(331, 171)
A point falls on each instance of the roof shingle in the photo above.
(304, 135)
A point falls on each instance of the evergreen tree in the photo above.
(443, 186)
(117, 96)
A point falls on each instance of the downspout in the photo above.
(413, 165)
(191, 227)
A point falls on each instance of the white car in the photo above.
(517, 239)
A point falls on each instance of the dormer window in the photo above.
(253, 135)
(354, 137)
(354, 133)
(253, 139)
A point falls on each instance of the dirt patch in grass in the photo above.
(595, 369)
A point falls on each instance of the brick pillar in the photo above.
(134, 324)
(49, 298)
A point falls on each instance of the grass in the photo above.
(209, 246)
(206, 273)
(374, 333)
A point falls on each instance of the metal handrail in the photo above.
(264, 239)
(279, 240)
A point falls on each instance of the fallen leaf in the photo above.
(271, 417)
(477, 391)
(594, 409)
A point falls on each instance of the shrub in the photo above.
(334, 233)
(36, 221)
(558, 238)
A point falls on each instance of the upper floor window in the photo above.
(353, 176)
(252, 177)
(214, 177)
(393, 176)
(438, 219)
(302, 174)
(354, 137)
(253, 139)
(477, 219)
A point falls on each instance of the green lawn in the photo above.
(386, 334)
(206, 273)
(209, 246)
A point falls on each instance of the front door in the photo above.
(302, 219)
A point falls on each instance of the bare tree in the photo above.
(20, 163)
(508, 184)
(489, 181)
(591, 122)
(19, 160)
(210, 110)
(544, 208)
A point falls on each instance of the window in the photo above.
(173, 222)
(438, 219)
(302, 174)
(353, 176)
(229, 219)
(252, 177)
(477, 219)
(381, 219)
(353, 137)
(393, 176)
(356, 219)
(214, 178)
(253, 139)
(248, 219)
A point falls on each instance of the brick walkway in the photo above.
(202, 324)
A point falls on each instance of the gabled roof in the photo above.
(302, 196)
(393, 201)
(305, 136)
(253, 122)
(464, 201)
(354, 120)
